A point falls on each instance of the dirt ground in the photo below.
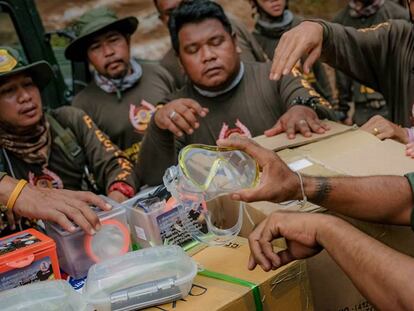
(151, 40)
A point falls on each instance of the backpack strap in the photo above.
(67, 142)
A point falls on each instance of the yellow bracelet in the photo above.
(15, 194)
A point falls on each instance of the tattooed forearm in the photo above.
(322, 191)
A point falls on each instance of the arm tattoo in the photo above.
(323, 189)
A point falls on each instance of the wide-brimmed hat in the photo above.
(11, 63)
(92, 23)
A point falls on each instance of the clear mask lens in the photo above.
(205, 173)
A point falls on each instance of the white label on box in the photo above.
(300, 165)
(140, 233)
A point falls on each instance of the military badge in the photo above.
(140, 116)
(240, 129)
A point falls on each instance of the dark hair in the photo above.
(195, 11)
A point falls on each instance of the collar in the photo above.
(232, 85)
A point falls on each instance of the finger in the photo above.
(250, 195)
(291, 129)
(383, 135)
(282, 53)
(174, 129)
(255, 249)
(82, 215)
(311, 59)
(252, 263)
(61, 220)
(285, 257)
(304, 128)
(269, 233)
(316, 126)
(192, 104)
(189, 115)
(92, 199)
(180, 122)
(78, 218)
(276, 129)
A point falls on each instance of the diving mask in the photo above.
(204, 173)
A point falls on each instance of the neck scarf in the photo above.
(119, 85)
(32, 147)
(357, 11)
(274, 27)
(232, 85)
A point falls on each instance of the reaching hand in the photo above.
(303, 40)
(300, 231)
(409, 150)
(61, 206)
(383, 129)
(180, 116)
(298, 119)
(277, 182)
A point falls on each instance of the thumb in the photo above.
(248, 195)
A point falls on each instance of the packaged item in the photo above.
(77, 251)
(44, 296)
(26, 257)
(139, 279)
(202, 174)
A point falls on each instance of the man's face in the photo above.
(109, 53)
(20, 102)
(165, 8)
(274, 8)
(208, 54)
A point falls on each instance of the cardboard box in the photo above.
(350, 152)
(284, 289)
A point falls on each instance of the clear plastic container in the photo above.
(45, 296)
(140, 279)
(78, 251)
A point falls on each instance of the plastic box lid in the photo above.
(140, 279)
(45, 296)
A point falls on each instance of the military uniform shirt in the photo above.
(381, 57)
(126, 121)
(103, 158)
(250, 108)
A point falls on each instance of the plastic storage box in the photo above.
(140, 279)
(44, 296)
(78, 251)
(26, 257)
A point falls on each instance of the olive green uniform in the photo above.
(104, 159)
(256, 102)
(381, 57)
(250, 51)
(126, 120)
(350, 91)
(269, 41)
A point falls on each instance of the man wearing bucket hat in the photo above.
(123, 94)
(60, 149)
(249, 48)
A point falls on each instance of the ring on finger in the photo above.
(302, 122)
(376, 131)
(172, 114)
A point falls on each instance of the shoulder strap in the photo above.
(66, 141)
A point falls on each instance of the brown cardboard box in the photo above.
(349, 153)
(284, 289)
